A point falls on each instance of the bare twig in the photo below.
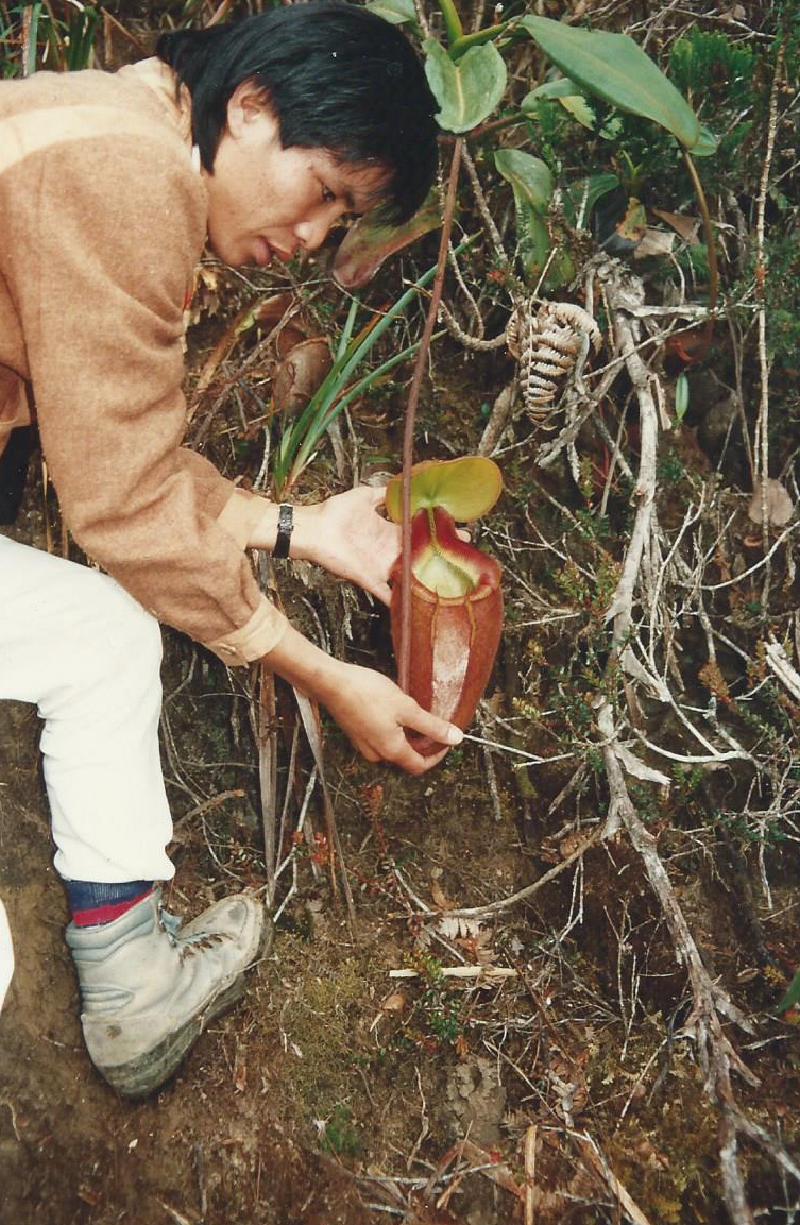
(761, 439)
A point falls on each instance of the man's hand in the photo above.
(374, 712)
(347, 536)
(369, 707)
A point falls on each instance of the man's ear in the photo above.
(247, 104)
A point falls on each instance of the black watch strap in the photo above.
(284, 532)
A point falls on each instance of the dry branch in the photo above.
(641, 574)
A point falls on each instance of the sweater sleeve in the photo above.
(103, 258)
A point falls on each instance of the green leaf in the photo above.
(398, 12)
(614, 68)
(562, 88)
(792, 996)
(681, 397)
(452, 21)
(466, 488)
(707, 143)
(487, 35)
(532, 183)
(581, 196)
(568, 94)
(528, 175)
(579, 109)
(599, 185)
(533, 239)
(467, 92)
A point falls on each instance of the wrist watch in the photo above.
(284, 532)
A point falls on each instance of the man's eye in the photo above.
(328, 196)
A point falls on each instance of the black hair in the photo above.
(337, 78)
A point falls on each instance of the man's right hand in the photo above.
(371, 709)
(374, 712)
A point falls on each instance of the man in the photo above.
(258, 137)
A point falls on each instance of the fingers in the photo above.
(414, 763)
(434, 759)
(395, 750)
(380, 590)
(426, 724)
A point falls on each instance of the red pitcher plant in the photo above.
(456, 602)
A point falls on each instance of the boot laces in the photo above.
(193, 943)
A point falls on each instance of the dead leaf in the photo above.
(493, 1167)
(265, 312)
(654, 242)
(687, 227)
(570, 843)
(396, 1002)
(440, 899)
(633, 226)
(690, 346)
(205, 295)
(286, 337)
(299, 375)
(779, 505)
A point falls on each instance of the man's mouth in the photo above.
(262, 252)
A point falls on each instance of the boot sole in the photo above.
(141, 1077)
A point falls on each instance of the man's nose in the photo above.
(312, 231)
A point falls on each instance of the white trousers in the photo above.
(73, 642)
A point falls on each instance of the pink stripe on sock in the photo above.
(106, 914)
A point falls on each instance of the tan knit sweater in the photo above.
(103, 219)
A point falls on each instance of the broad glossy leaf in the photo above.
(466, 488)
(570, 95)
(581, 195)
(707, 143)
(528, 175)
(614, 68)
(533, 238)
(562, 88)
(533, 190)
(369, 243)
(467, 92)
(398, 12)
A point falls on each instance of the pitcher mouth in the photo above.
(449, 569)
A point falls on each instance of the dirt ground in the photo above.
(337, 1092)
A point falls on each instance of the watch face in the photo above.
(284, 532)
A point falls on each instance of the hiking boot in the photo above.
(150, 986)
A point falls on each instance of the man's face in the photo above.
(265, 201)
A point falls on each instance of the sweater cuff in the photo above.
(240, 514)
(257, 637)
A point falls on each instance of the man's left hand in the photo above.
(348, 536)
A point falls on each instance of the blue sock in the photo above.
(92, 903)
